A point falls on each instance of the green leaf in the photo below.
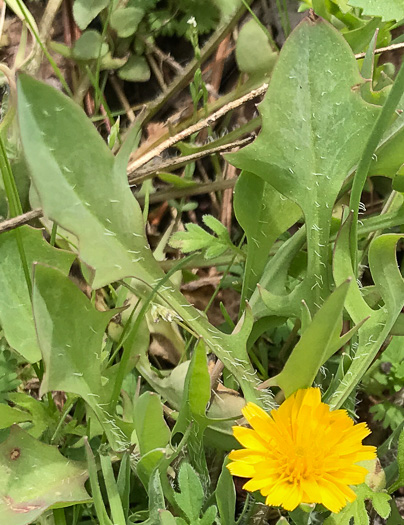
(395, 517)
(66, 158)
(314, 126)
(176, 180)
(191, 497)
(264, 214)
(156, 499)
(8, 367)
(196, 390)
(389, 284)
(216, 226)
(166, 518)
(70, 335)
(357, 509)
(108, 223)
(125, 21)
(15, 303)
(196, 395)
(97, 497)
(387, 9)
(136, 69)
(9, 416)
(151, 429)
(196, 238)
(312, 350)
(89, 46)
(84, 11)
(209, 517)
(225, 494)
(117, 513)
(254, 54)
(400, 462)
(147, 464)
(359, 38)
(40, 415)
(34, 477)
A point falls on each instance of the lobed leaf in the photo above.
(15, 303)
(35, 476)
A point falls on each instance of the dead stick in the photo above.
(138, 163)
(10, 224)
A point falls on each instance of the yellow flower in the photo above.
(301, 453)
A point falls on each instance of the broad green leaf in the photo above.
(254, 54)
(125, 21)
(84, 11)
(151, 429)
(15, 304)
(136, 69)
(386, 9)
(34, 477)
(70, 334)
(314, 127)
(225, 495)
(191, 497)
(67, 159)
(311, 351)
(264, 214)
(9, 416)
(89, 46)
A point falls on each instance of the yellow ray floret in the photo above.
(301, 453)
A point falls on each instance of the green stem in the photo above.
(59, 517)
(55, 68)
(380, 127)
(126, 353)
(15, 208)
(318, 234)
(52, 240)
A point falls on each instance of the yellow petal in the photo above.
(250, 439)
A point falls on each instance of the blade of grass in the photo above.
(34, 31)
(114, 499)
(95, 487)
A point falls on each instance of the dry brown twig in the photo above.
(174, 163)
(15, 222)
(195, 128)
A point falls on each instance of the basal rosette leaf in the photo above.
(314, 127)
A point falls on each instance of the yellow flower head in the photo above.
(301, 453)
